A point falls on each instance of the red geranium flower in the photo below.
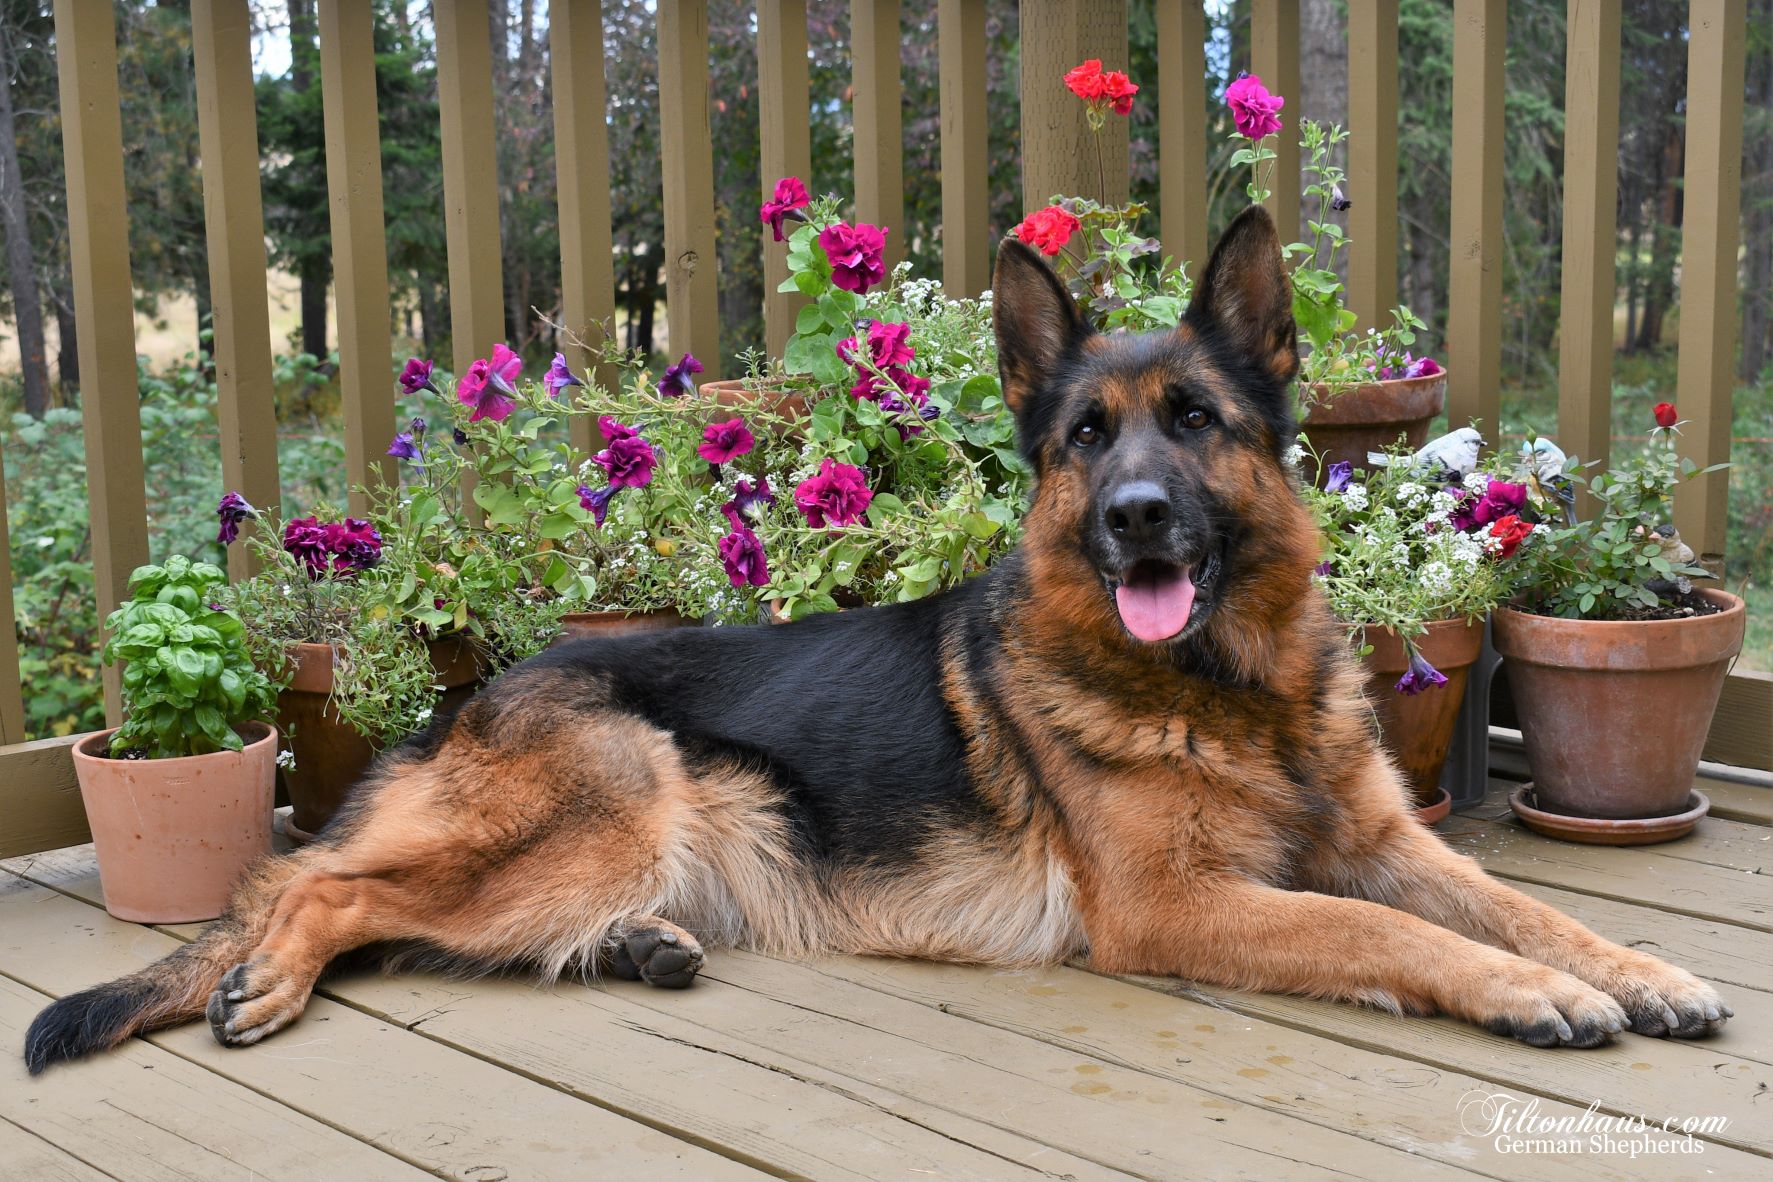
(1085, 81)
(1101, 88)
(1507, 533)
(1048, 230)
(1665, 414)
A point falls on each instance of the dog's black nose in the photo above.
(1138, 511)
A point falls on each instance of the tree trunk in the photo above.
(1757, 208)
(67, 345)
(313, 278)
(21, 260)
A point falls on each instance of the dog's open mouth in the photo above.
(1156, 599)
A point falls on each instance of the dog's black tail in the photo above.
(172, 990)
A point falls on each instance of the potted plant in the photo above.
(1614, 658)
(353, 673)
(1416, 556)
(179, 797)
(1358, 392)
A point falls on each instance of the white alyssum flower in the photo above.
(286, 760)
(1437, 578)
(1410, 494)
(1295, 456)
(1355, 497)
(1477, 482)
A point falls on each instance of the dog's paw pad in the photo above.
(666, 957)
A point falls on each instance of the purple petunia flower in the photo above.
(628, 459)
(596, 502)
(741, 552)
(1323, 569)
(725, 441)
(1341, 474)
(790, 197)
(747, 496)
(417, 376)
(232, 510)
(558, 377)
(1420, 675)
(836, 497)
(855, 253)
(460, 436)
(676, 381)
(1338, 200)
(404, 447)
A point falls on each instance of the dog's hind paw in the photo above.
(655, 951)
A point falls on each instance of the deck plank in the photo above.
(26, 1155)
(1632, 875)
(433, 1106)
(1373, 1095)
(146, 1115)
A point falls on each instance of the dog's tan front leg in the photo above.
(1412, 869)
(1250, 936)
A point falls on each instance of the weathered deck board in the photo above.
(847, 1067)
(1340, 1086)
(144, 1114)
(437, 1108)
(28, 1156)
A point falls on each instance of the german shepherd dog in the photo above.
(1141, 737)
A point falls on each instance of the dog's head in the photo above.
(1160, 477)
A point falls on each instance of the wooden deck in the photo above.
(851, 1068)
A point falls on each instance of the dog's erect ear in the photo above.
(1246, 295)
(1036, 319)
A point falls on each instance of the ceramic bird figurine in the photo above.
(1542, 471)
(1454, 455)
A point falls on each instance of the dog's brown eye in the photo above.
(1086, 435)
(1196, 419)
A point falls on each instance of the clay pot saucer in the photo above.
(1603, 831)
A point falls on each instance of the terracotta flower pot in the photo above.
(1614, 713)
(174, 835)
(330, 756)
(1361, 419)
(1418, 728)
(735, 396)
(578, 625)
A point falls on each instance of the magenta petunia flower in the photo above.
(741, 552)
(304, 538)
(417, 376)
(558, 377)
(678, 379)
(1422, 367)
(232, 510)
(1253, 109)
(855, 253)
(476, 388)
(836, 497)
(1499, 499)
(722, 442)
(790, 196)
(628, 459)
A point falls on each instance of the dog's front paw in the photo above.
(1547, 1008)
(1663, 1000)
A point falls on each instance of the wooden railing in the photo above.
(38, 806)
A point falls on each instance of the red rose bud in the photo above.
(1665, 414)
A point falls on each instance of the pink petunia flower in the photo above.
(1253, 109)
(790, 195)
(836, 497)
(725, 441)
(628, 459)
(855, 253)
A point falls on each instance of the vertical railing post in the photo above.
(1705, 374)
(234, 224)
(1591, 190)
(691, 286)
(784, 115)
(12, 701)
(1060, 154)
(1182, 132)
(1274, 55)
(470, 179)
(359, 239)
(1372, 159)
(1474, 300)
(581, 161)
(880, 142)
(966, 198)
(98, 249)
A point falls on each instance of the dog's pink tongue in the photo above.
(1155, 606)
